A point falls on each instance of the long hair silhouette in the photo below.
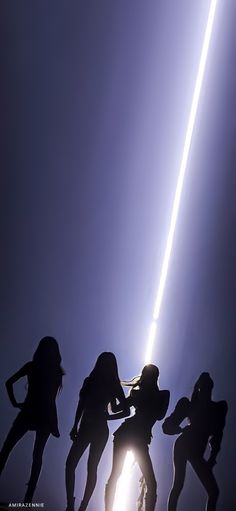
(135, 433)
(105, 372)
(47, 355)
(38, 411)
(90, 429)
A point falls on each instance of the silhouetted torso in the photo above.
(95, 397)
(40, 403)
(149, 407)
(206, 419)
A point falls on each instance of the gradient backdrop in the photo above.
(94, 101)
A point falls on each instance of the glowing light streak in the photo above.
(150, 341)
(123, 485)
(122, 490)
(182, 170)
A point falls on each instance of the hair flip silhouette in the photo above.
(38, 411)
(135, 434)
(100, 388)
(206, 423)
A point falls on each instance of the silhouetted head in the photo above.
(204, 382)
(106, 368)
(46, 364)
(47, 352)
(149, 376)
(147, 379)
(203, 387)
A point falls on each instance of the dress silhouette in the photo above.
(135, 434)
(100, 388)
(38, 411)
(206, 423)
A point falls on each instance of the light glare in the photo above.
(122, 490)
(183, 166)
(123, 483)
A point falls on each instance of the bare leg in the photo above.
(145, 463)
(208, 480)
(41, 439)
(180, 462)
(17, 431)
(77, 449)
(119, 453)
(96, 449)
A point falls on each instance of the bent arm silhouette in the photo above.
(24, 371)
(121, 409)
(171, 425)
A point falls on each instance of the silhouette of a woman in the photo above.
(135, 433)
(100, 388)
(38, 411)
(206, 423)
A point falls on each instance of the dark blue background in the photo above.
(94, 101)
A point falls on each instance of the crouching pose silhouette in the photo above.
(134, 434)
(206, 423)
(100, 388)
(38, 412)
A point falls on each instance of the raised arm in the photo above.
(24, 371)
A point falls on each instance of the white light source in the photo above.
(184, 161)
(122, 489)
(123, 483)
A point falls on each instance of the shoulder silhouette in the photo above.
(38, 411)
(150, 404)
(205, 424)
(100, 389)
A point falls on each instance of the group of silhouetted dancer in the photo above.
(102, 398)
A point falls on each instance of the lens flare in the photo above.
(123, 483)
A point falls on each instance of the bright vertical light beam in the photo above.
(182, 170)
(120, 500)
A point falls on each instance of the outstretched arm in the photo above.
(24, 371)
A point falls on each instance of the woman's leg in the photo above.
(143, 458)
(97, 447)
(41, 439)
(180, 461)
(208, 480)
(17, 431)
(76, 451)
(119, 453)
